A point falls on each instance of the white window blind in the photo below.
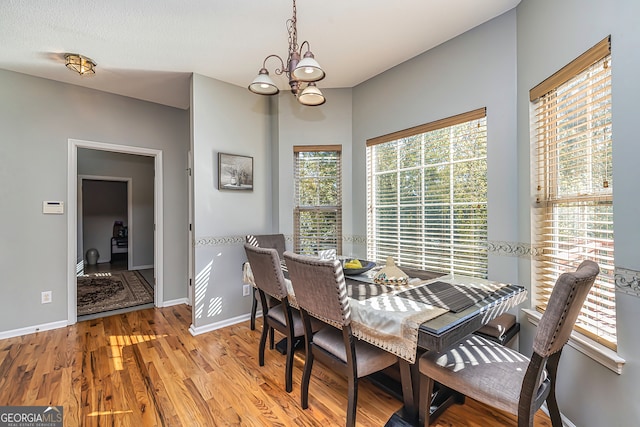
(427, 196)
(318, 199)
(574, 209)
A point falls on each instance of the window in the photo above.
(573, 213)
(427, 196)
(318, 199)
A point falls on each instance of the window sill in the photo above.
(590, 348)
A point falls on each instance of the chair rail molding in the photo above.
(515, 249)
(627, 281)
(219, 241)
(239, 240)
(359, 240)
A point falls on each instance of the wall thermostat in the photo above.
(52, 207)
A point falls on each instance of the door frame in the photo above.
(72, 217)
(191, 257)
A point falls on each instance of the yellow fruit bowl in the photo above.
(353, 267)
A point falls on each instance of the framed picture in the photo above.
(235, 172)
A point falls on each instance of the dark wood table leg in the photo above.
(410, 390)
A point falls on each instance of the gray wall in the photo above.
(328, 124)
(227, 119)
(589, 394)
(140, 170)
(230, 119)
(37, 118)
(495, 65)
(474, 70)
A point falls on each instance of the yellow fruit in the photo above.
(354, 263)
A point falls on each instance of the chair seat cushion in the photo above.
(481, 369)
(369, 358)
(277, 313)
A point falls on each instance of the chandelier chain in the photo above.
(292, 29)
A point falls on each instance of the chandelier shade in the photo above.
(302, 73)
(80, 64)
(308, 70)
(311, 96)
(263, 85)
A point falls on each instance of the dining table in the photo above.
(429, 312)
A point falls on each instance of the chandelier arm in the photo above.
(302, 46)
(278, 71)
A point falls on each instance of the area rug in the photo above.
(98, 292)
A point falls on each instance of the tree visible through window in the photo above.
(427, 196)
(318, 199)
(574, 208)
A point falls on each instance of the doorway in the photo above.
(104, 202)
(76, 249)
(108, 279)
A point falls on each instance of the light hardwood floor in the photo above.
(144, 368)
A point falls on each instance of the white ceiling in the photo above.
(146, 49)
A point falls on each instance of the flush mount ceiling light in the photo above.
(80, 64)
(302, 74)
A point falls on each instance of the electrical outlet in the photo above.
(46, 297)
(246, 290)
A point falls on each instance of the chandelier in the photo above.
(302, 73)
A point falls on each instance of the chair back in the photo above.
(267, 270)
(565, 303)
(320, 288)
(275, 241)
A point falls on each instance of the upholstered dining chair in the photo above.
(270, 281)
(320, 290)
(274, 241)
(503, 378)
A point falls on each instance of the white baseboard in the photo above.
(175, 302)
(218, 325)
(33, 329)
